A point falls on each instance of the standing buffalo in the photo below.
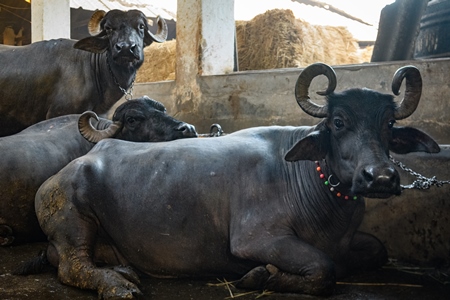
(52, 78)
(33, 155)
(277, 205)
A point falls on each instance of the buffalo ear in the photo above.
(94, 44)
(408, 139)
(312, 147)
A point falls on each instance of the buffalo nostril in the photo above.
(368, 174)
(379, 177)
(188, 130)
(123, 46)
(386, 176)
(118, 46)
(133, 47)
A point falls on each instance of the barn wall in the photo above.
(254, 98)
(414, 226)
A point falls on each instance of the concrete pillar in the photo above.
(50, 19)
(217, 41)
(205, 45)
(188, 53)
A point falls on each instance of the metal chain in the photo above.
(422, 182)
(128, 94)
(215, 131)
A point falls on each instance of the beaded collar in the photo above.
(332, 186)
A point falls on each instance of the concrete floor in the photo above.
(385, 284)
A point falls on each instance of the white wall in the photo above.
(50, 19)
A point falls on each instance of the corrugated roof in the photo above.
(149, 10)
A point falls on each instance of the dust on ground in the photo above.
(384, 284)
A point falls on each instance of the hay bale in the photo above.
(365, 54)
(159, 62)
(267, 41)
(276, 39)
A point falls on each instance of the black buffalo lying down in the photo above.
(52, 78)
(259, 207)
(38, 152)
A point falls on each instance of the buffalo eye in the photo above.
(131, 120)
(108, 28)
(338, 123)
(391, 124)
(141, 26)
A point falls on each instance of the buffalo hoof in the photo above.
(255, 279)
(127, 291)
(128, 273)
(279, 281)
(6, 235)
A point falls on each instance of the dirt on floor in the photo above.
(391, 282)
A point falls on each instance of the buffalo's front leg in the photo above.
(366, 253)
(291, 265)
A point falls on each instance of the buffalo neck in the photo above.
(317, 214)
(315, 211)
(128, 78)
(108, 78)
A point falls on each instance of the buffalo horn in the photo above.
(94, 22)
(92, 134)
(302, 87)
(413, 90)
(161, 33)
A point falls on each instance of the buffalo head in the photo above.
(137, 120)
(358, 131)
(123, 33)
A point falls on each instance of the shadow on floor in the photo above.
(385, 284)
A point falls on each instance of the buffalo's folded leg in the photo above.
(255, 279)
(76, 268)
(6, 235)
(273, 279)
(72, 239)
(293, 265)
(128, 273)
(366, 253)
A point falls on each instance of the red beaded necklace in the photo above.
(327, 182)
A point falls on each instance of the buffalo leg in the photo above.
(72, 237)
(291, 266)
(273, 279)
(366, 253)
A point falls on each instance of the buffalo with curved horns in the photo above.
(33, 155)
(277, 206)
(52, 78)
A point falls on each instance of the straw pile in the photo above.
(159, 62)
(275, 39)
(365, 54)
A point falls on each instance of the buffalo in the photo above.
(277, 206)
(52, 78)
(33, 155)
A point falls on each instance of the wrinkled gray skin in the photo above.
(33, 155)
(250, 203)
(52, 78)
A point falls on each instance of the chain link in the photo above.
(128, 94)
(422, 182)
